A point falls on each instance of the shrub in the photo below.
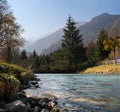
(9, 87)
(21, 74)
(25, 77)
(10, 68)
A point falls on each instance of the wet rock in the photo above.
(16, 106)
(43, 103)
(2, 110)
(2, 103)
(37, 109)
(34, 82)
(53, 104)
(28, 106)
(22, 95)
(36, 85)
(65, 110)
(55, 110)
(44, 110)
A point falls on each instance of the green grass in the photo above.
(10, 68)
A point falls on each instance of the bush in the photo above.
(9, 87)
(10, 68)
(21, 74)
(12, 77)
(25, 77)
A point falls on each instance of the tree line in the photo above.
(72, 57)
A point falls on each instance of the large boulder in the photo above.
(16, 106)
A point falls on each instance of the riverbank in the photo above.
(103, 69)
(13, 81)
(29, 104)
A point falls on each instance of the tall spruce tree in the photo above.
(73, 47)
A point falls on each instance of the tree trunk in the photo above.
(9, 55)
(115, 57)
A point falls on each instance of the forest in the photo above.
(72, 57)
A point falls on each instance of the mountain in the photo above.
(90, 31)
(44, 43)
(48, 42)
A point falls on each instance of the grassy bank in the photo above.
(12, 78)
(103, 69)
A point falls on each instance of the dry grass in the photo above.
(103, 69)
(9, 87)
(12, 77)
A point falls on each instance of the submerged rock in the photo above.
(16, 106)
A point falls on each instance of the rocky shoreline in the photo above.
(25, 104)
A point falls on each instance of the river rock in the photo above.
(28, 106)
(16, 106)
(2, 110)
(44, 110)
(43, 103)
(37, 109)
(53, 104)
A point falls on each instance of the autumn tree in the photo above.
(90, 52)
(4, 11)
(102, 53)
(10, 30)
(113, 43)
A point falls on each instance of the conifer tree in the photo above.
(72, 45)
(23, 55)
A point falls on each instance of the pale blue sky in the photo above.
(39, 17)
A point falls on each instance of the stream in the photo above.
(79, 92)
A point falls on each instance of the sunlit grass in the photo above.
(103, 69)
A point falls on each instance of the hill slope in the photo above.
(48, 42)
(90, 31)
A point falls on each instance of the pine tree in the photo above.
(23, 55)
(34, 54)
(72, 45)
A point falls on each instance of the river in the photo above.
(79, 92)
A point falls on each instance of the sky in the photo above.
(41, 17)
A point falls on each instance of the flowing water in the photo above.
(79, 92)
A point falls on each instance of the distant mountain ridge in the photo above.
(90, 31)
(47, 42)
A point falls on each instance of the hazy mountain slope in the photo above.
(52, 48)
(48, 41)
(44, 43)
(89, 30)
